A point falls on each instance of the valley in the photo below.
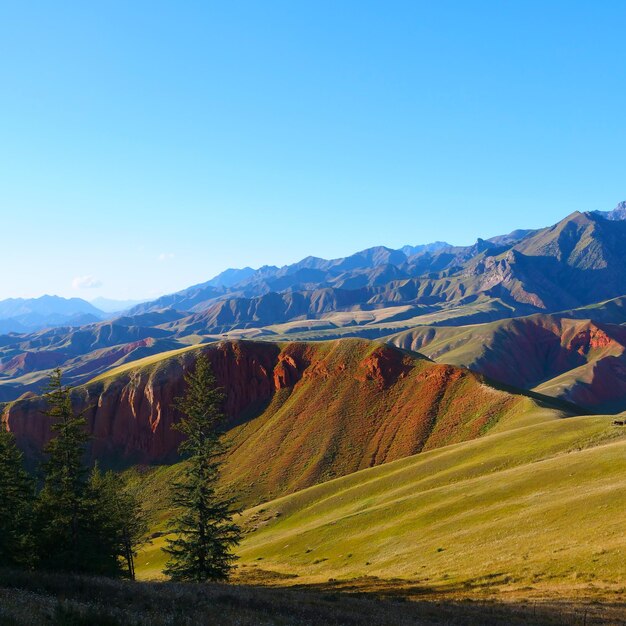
(313, 314)
(434, 423)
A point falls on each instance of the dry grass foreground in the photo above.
(36, 599)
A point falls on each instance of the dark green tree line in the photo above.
(80, 521)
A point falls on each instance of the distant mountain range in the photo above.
(571, 270)
(576, 262)
(27, 314)
(24, 315)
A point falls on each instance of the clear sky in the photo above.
(146, 146)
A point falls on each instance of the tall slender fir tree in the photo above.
(73, 530)
(204, 530)
(17, 494)
(61, 510)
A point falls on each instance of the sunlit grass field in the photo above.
(532, 509)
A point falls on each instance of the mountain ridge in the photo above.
(374, 293)
(312, 411)
(543, 268)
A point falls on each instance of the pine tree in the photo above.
(85, 521)
(204, 530)
(17, 496)
(61, 507)
(121, 519)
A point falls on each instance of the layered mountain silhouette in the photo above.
(571, 264)
(575, 269)
(28, 314)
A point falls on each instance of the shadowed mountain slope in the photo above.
(580, 361)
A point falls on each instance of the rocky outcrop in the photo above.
(384, 367)
(130, 415)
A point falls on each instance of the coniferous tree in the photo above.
(63, 503)
(85, 521)
(121, 519)
(72, 534)
(204, 530)
(16, 505)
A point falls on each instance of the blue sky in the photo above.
(146, 146)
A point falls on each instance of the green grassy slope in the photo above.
(152, 359)
(611, 311)
(539, 506)
(525, 506)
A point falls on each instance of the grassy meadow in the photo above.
(531, 512)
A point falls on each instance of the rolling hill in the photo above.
(530, 509)
(305, 413)
(539, 506)
(577, 360)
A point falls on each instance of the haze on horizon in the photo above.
(147, 147)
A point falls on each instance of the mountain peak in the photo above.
(435, 246)
(229, 277)
(618, 213)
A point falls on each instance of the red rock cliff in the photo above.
(130, 415)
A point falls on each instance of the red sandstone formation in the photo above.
(130, 415)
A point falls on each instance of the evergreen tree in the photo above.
(16, 498)
(204, 529)
(85, 521)
(62, 503)
(121, 519)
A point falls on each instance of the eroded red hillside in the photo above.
(300, 413)
(580, 361)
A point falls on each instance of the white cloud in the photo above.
(86, 282)
(165, 256)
